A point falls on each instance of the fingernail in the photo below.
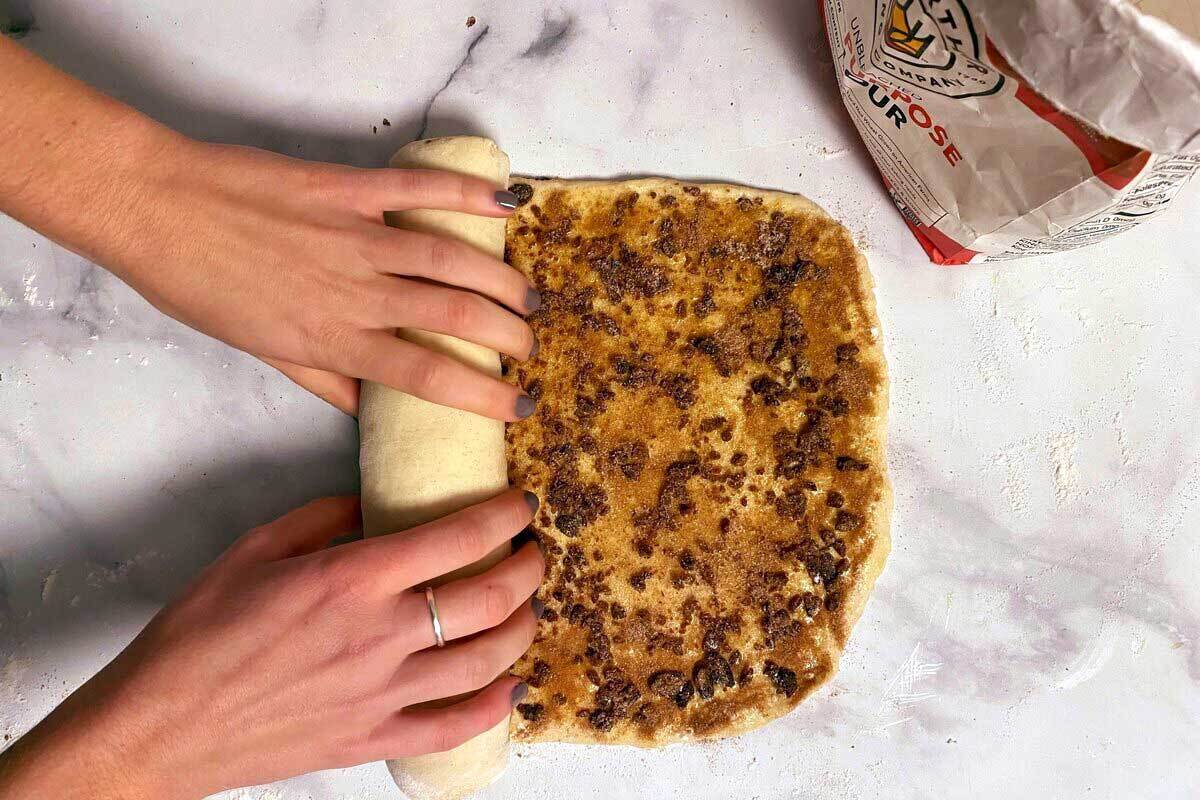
(506, 199)
(533, 300)
(525, 406)
(538, 607)
(533, 351)
(525, 537)
(519, 691)
(532, 501)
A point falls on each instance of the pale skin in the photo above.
(286, 259)
(285, 656)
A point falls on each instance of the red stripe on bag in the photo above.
(1117, 172)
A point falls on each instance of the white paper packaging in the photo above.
(1008, 128)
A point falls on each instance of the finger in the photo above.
(469, 665)
(417, 731)
(306, 530)
(406, 189)
(464, 315)
(401, 561)
(437, 378)
(337, 390)
(474, 604)
(456, 264)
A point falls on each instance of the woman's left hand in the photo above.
(286, 657)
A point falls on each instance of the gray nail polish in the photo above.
(532, 501)
(533, 300)
(506, 199)
(525, 537)
(533, 351)
(538, 607)
(519, 691)
(525, 406)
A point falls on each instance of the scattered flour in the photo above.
(1066, 474)
(31, 296)
(48, 584)
(1031, 339)
(1016, 482)
(100, 575)
(1122, 442)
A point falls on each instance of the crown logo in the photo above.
(905, 32)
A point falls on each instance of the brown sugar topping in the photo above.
(704, 382)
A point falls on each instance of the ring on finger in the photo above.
(433, 616)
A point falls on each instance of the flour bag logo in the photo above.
(932, 45)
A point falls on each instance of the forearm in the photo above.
(75, 164)
(55, 760)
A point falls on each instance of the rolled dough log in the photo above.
(421, 461)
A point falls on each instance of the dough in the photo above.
(421, 461)
(708, 447)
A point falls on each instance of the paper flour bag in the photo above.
(1007, 128)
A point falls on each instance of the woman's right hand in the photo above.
(289, 260)
(286, 657)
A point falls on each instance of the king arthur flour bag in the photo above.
(1006, 128)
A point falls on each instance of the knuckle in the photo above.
(249, 541)
(375, 248)
(411, 182)
(443, 256)
(336, 580)
(318, 179)
(392, 306)
(424, 376)
(328, 339)
(457, 188)
(464, 311)
(478, 671)
(470, 540)
(446, 738)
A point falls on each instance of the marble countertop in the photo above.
(1037, 628)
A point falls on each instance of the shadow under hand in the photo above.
(125, 567)
(125, 74)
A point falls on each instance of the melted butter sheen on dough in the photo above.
(709, 452)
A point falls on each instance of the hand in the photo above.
(285, 657)
(286, 259)
(291, 261)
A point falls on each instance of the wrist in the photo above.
(71, 756)
(74, 161)
(106, 189)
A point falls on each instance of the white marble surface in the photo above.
(1036, 630)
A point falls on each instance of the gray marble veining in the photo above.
(1035, 631)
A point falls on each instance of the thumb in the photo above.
(337, 390)
(306, 530)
